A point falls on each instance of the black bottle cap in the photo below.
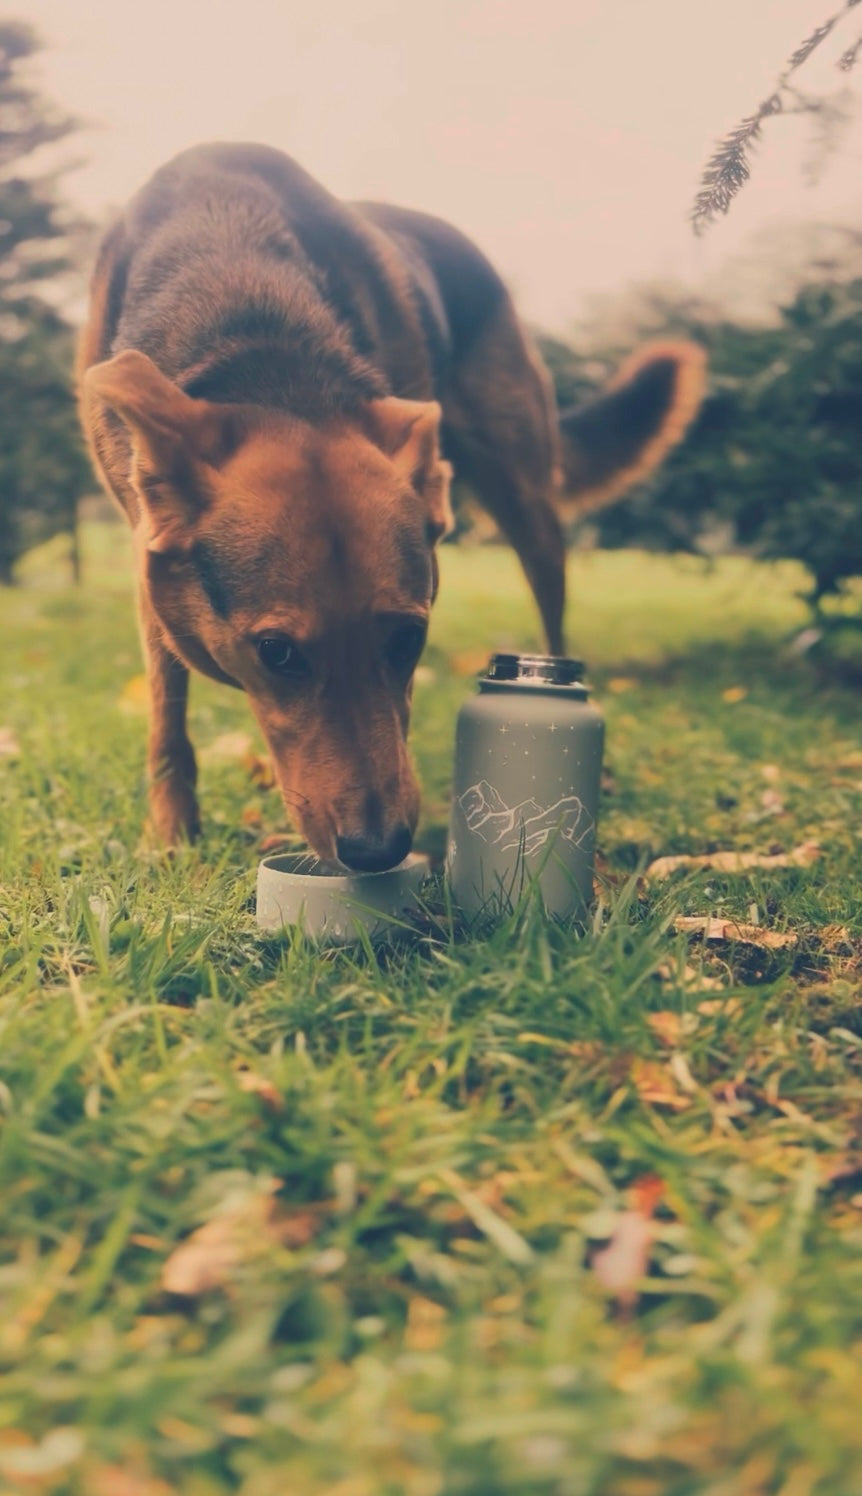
(546, 670)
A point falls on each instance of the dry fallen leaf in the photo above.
(620, 683)
(693, 978)
(836, 940)
(251, 815)
(115, 1480)
(469, 661)
(208, 1258)
(623, 1262)
(260, 770)
(247, 1226)
(735, 862)
(851, 761)
(426, 1324)
(227, 748)
(32, 1463)
(135, 696)
(670, 1028)
(712, 928)
(772, 802)
(656, 1083)
(258, 1085)
(278, 841)
(588, 1051)
(734, 694)
(9, 745)
(726, 1007)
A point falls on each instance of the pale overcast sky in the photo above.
(565, 135)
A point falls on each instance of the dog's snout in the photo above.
(374, 854)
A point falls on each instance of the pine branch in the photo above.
(729, 166)
(847, 60)
(803, 53)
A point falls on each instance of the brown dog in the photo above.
(268, 377)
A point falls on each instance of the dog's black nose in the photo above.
(374, 854)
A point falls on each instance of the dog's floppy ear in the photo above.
(175, 439)
(619, 438)
(408, 431)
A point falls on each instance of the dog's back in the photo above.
(233, 252)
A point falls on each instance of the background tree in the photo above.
(773, 464)
(43, 468)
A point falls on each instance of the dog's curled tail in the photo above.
(619, 438)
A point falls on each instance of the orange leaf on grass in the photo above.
(115, 1480)
(279, 841)
(259, 769)
(469, 661)
(670, 1028)
(656, 1083)
(135, 696)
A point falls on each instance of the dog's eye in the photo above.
(281, 657)
(405, 646)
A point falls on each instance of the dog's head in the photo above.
(297, 562)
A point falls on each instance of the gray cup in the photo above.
(528, 761)
(333, 905)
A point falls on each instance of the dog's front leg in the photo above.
(171, 762)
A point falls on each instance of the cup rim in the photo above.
(341, 880)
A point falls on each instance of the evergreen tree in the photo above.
(43, 469)
(773, 464)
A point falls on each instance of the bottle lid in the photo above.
(539, 670)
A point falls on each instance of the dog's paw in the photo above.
(174, 819)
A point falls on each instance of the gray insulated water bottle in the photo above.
(528, 760)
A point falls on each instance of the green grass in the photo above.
(456, 1129)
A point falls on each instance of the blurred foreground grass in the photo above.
(410, 1168)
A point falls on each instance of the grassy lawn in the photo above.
(409, 1172)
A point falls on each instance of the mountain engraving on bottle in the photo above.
(527, 825)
